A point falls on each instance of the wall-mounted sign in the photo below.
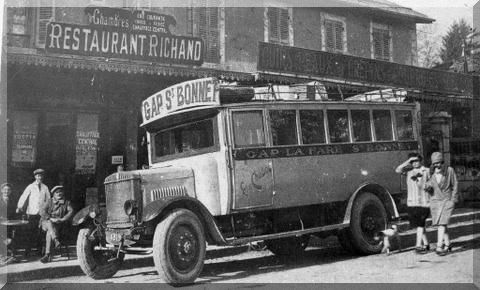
(194, 93)
(87, 144)
(114, 42)
(304, 62)
(24, 147)
(138, 20)
(117, 159)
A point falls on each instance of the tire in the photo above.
(368, 218)
(94, 263)
(179, 247)
(287, 247)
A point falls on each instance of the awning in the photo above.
(123, 66)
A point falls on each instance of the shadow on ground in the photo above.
(240, 268)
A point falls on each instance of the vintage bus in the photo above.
(227, 169)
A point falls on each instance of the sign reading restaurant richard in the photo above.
(189, 94)
(119, 33)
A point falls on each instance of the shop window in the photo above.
(382, 122)
(338, 126)
(461, 122)
(25, 132)
(283, 126)
(334, 35)
(404, 125)
(313, 130)
(18, 28)
(381, 42)
(45, 14)
(184, 139)
(361, 125)
(278, 25)
(248, 129)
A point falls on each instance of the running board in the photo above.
(239, 241)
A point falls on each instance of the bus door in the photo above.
(252, 167)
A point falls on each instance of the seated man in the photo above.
(54, 215)
(7, 212)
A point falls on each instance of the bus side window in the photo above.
(248, 128)
(338, 126)
(361, 125)
(404, 125)
(313, 130)
(382, 122)
(283, 126)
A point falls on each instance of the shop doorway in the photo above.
(55, 150)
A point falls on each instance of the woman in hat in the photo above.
(31, 201)
(443, 187)
(418, 201)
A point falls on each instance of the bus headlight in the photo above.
(130, 207)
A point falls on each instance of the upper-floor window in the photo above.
(204, 21)
(381, 42)
(278, 25)
(334, 36)
(18, 28)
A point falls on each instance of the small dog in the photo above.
(388, 235)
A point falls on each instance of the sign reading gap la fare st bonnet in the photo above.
(195, 93)
(121, 33)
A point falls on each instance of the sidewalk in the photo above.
(464, 222)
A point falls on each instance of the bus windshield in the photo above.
(186, 139)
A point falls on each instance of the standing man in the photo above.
(31, 201)
(7, 211)
(54, 215)
(418, 200)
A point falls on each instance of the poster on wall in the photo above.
(86, 144)
(25, 128)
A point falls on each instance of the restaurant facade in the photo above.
(77, 76)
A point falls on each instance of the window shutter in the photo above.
(329, 36)
(386, 46)
(339, 36)
(208, 29)
(273, 16)
(45, 13)
(213, 37)
(284, 26)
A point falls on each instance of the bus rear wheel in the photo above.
(368, 218)
(291, 246)
(179, 247)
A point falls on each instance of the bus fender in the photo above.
(85, 214)
(381, 192)
(158, 209)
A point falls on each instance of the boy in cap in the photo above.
(54, 215)
(33, 198)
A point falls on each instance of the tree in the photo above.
(428, 46)
(458, 36)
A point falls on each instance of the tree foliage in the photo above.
(428, 46)
(459, 34)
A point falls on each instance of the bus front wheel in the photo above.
(368, 218)
(179, 247)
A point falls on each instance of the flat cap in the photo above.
(38, 171)
(5, 184)
(58, 187)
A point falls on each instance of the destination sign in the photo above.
(189, 94)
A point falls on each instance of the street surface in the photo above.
(325, 262)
